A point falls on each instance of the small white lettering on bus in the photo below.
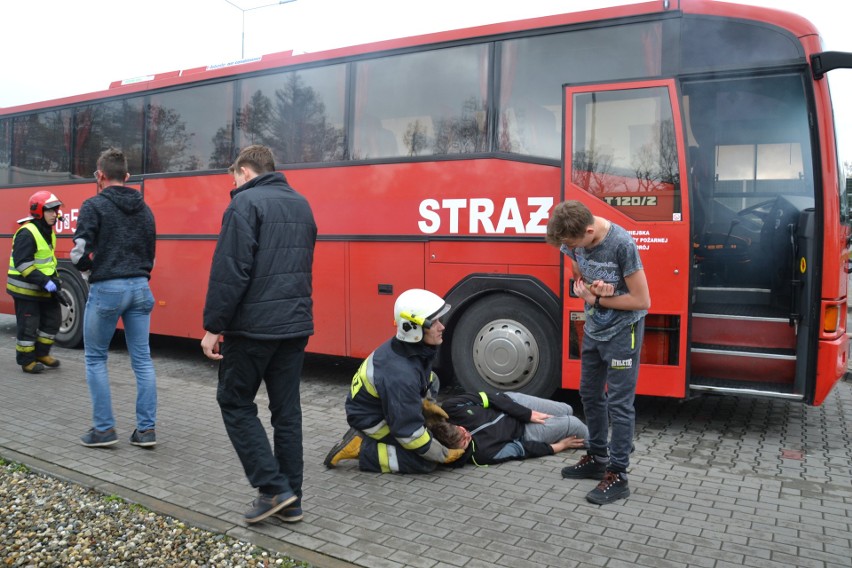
(68, 222)
(481, 213)
(631, 200)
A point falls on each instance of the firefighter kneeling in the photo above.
(391, 392)
(34, 283)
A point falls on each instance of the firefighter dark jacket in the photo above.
(385, 401)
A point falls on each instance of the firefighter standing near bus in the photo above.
(34, 284)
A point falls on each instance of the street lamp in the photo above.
(244, 10)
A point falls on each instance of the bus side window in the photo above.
(372, 139)
(534, 130)
(625, 151)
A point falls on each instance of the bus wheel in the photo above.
(74, 291)
(506, 343)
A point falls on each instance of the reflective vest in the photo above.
(44, 261)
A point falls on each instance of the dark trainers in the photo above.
(266, 505)
(348, 448)
(291, 513)
(99, 439)
(145, 438)
(587, 468)
(33, 368)
(48, 361)
(612, 488)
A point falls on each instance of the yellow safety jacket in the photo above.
(44, 261)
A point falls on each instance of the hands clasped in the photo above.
(589, 292)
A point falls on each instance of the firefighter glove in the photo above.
(454, 453)
(432, 410)
(50, 286)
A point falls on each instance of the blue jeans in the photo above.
(609, 370)
(131, 300)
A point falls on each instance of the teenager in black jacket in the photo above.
(259, 299)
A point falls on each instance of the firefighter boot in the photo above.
(48, 361)
(346, 449)
(33, 367)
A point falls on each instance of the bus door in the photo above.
(623, 158)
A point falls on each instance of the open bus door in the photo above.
(623, 157)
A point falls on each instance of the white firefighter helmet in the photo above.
(416, 310)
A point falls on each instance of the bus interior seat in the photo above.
(720, 254)
(373, 139)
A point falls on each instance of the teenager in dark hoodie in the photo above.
(115, 239)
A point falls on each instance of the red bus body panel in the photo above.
(387, 227)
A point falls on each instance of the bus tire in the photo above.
(75, 291)
(506, 343)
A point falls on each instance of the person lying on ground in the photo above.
(507, 426)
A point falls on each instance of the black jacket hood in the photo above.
(127, 199)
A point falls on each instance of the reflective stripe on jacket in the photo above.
(385, 401)
(44, 261)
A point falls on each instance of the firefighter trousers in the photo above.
(38, 322)
(380, 457)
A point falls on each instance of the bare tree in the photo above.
(294, 123)
(655, 163)
(416, 138)
(462, 134)
(593, 171)
(168, 141)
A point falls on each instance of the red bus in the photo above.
(703, 128)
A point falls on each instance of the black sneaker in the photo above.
(291, 513)
(612, 488)
(587, 468)
(99, 438)
(145, 438)
(266, 505)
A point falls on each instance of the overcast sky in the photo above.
(55, 48)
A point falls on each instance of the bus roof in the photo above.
(792, 22)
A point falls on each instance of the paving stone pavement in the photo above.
(716, 481)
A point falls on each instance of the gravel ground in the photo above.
(45, 522)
